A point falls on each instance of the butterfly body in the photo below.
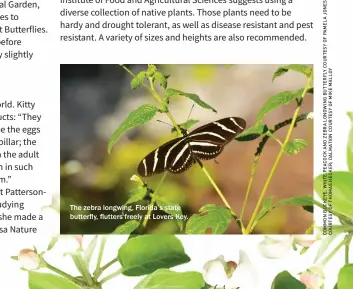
(204, 143)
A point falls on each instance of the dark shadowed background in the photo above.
(95, 99)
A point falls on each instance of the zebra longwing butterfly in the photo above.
(204, 143)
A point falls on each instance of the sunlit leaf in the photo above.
(276, 101)
(295, 146)
(127, 228)
(210, 217)
(166, 279)
(145, 254)
(284, 280)
(136, 195)
(336, 189)
(350, 144)
(137, 81)
(345, 277)
(49, 281)
(161, 78)
(252, 133)
(171, 209)
(187, 125)
(304, 69)
(266, 207)
(137, 117)
(194, 97)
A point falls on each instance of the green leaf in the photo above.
(350, 144)
(252, 133)
(137, 81)
(166, 279)
(297, 201)
(161, 78)
(275, 101)
(90, 250)
(126, 228)
(210, 217)
(340, 197)
(266, 207)
(325, 243)
(186, 125)
(145, 254)
(295, 146)
(345, 277)
(284, 280)
(171, 209)
(307, 71)
(137, 117)
(335, 286)
(136, 195)
(194, 97)
(49, 281)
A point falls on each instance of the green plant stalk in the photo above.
(345, 241)
(111, 276)
(257, 157)
(251, 180)
(62, 273)
(103, 268)
(97, 271)
(310, 230)
(346, 250)
(159, 99)
(150, 209)
(82, 268)
(249, 228)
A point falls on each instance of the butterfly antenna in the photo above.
(190, 111)
(164, 122)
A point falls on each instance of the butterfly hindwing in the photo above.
(206, 152)
(156, 161)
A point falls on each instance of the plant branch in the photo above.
(279, 156)
(82, 268)
(259, 151)
(150, 207)
(345, 241)
(62, 273)
(103, 268)
(219, 192)
(111, 276)
(98, 272)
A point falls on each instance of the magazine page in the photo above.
(216, 166)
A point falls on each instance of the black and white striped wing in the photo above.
(158, 161)
(219, 132)
(181, 158)
(206, 150)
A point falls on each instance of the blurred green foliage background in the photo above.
(95, 99)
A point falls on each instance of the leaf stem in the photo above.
(98, 271)
(345, 241)
(346, 249)
(251, 180)
(103, 268)
(219, 192)
(111, 276)
(249, 228)
(82, 268)
(62, 273)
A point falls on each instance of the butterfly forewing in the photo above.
(219, 132)
(182, 161)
